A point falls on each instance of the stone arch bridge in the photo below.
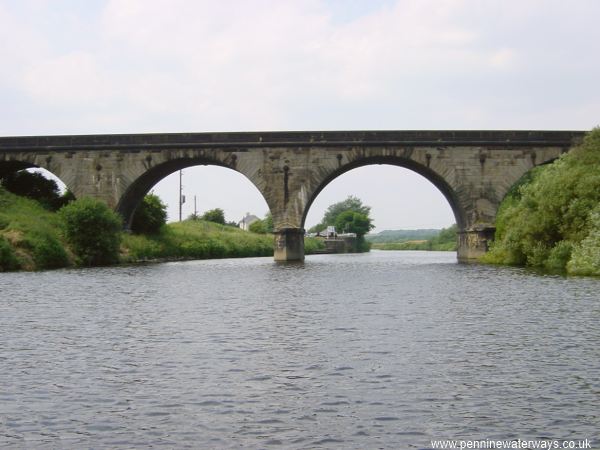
(473, 169)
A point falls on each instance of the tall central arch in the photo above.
(433, 177)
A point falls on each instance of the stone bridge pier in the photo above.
(473, 169)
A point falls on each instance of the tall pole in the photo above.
(180, 194)
(195, 210)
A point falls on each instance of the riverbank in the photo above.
(445, 241)
(415, 245)
(550, 220)
(31, 238)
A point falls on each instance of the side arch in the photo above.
(437, 180)
(12, 166)
(140, 186)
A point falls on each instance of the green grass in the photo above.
(195, 239)
(30, 235)
(32, 238)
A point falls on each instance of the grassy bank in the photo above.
(195, 239)
(199, 239)
(32, 238)
(445, 240)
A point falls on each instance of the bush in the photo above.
(216, 215)
(585, 259)
(313, 245)
(93, 231)
(149, 216)
(264, 226)
(544, 221)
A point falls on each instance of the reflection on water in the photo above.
(380, 350)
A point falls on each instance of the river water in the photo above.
(379, 350)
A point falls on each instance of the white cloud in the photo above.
(199, 65)
(503, 59)
(180, 65)
(73, 78)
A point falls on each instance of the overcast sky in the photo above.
(135, 66)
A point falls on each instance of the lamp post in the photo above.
(181, 196)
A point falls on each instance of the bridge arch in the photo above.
(436, 179)
(12, 166)
(142, 184)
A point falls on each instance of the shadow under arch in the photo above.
(8, 168)
(440, 183)
(136, 191)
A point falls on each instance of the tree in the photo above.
(216, 215)
(36, 186)
(149, 216)
(546, 220)
(350, 204)
(353, 222)
(93, 231)
(263, 226)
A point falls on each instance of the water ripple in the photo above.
(385, 350)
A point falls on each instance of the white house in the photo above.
(245, 223)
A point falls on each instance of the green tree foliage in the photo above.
(36, 186)
(353, 222)
(264, 226)
(548, 219)
(93, 231)
(446, 239)
(352, 203)
(585, 258)
(216, 215)
(150, 215)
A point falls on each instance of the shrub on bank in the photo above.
(311, 245)
(149, 216)
(93, 231)
(585, 258)
(548, 221)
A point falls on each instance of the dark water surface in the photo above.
(382, 350)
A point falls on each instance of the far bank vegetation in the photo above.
(40, 228)
(437, 240)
